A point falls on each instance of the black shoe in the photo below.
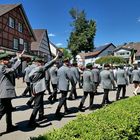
(67, 112)
(108, 102)
(104, 104)
(81, 109)
(50, 100)
(11, 128)
(58, 114)
(70, 98)
(91, 107)
(29, 105)
(14, 108)
(76, 97)
(23, 95)
(40, 118)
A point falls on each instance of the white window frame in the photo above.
(16, 43)
(11, 22)
(26, 46)
(20, 27)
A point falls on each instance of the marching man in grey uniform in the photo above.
(7, 89)
(96, 76)
(63, 85)
(122, 81)
(27, 80)
(47, 79)
(88, 86)
(136, 79)
(75, 74)
(38, 86)
(107, 83)
(54, 81)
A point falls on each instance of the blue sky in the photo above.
(118, 21)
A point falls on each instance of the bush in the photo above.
(110, 60)
(118, 121)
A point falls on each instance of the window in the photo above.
(16, 43)
(122, 53)
(20, 27)
(11, 22)
(26, 46)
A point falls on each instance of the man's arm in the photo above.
(15, 66)
(49, 64)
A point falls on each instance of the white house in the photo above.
(136, 47)
(53, 49)
(98, 52)
(126, 53)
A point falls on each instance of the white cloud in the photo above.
(51, 35)
(138, 19)
(59, 44)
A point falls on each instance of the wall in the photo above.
(122, 53)
(8, 34)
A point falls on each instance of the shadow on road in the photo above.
(22, 108)
(23, 126)
(99, 93)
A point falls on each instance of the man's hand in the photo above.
(19, 55)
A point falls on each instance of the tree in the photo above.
(110, 60)
(66, 53)
(83, 33)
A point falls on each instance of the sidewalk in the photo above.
(22, 115)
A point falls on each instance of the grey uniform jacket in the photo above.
(75, 73)
(121, 77)
(27, 71)
(63, 78)
(47, 75)
(107, 80)
(88, 82)
(7, 89)
(136, 75)
(96, 75)
(53, 75)
(37, 77)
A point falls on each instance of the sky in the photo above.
(117, 21)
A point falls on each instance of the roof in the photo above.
(5, 8)
(96, 51)
(122, 47)
(93, 54)
(39, 33)
(135, 46)
(102, 48)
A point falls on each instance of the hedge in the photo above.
(111, 60)
(118, 121)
